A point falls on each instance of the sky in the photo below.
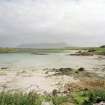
(75, 22)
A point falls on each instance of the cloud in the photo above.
(52, 20)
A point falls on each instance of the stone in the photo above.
(47, 103)
(101, 103)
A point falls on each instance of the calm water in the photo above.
(52, 60)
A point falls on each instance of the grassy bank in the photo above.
(90, 51)
(7, 50)
(87, 97)
(100, 51)
(31, 50)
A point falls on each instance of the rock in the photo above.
(81, 69)
(46, 72)
(62, 71)
(82, 54)
(4, 68)
(101, 103)
(65, 69)
(54, 92)
(47, 103)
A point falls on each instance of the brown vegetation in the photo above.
(85, 85)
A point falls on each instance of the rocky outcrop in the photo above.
(80, 53)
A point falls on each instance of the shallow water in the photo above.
(52, 60)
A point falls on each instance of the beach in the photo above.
(23, 72)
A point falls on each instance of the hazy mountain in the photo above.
(43, 45)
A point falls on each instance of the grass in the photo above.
(7, 50)
(91, 50)
(32, 50)
(94, 93)
(18, 98)
(89, 97)
(100, 51)
(87, 92)
(97, 50)
(31, 98)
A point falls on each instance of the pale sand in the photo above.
(28, 80)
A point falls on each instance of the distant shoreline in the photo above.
(87, 50)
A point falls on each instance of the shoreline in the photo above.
(41, 81)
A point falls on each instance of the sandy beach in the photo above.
(28, 80)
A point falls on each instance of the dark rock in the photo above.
(81, 69)
(54, 92)
(65, 69)
(4, 68)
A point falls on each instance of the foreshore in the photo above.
(28, 80)
(42, 81)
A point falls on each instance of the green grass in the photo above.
(94, 50)
(89, 97)
(31, 50)
(7, 50)
(31, 98)
(100, 51)
(8, 98)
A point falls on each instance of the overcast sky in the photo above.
(76, 22)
